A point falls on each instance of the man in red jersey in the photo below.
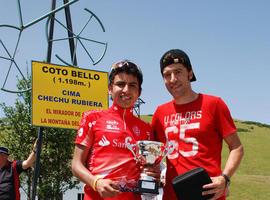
(101, 158)
(197, 124)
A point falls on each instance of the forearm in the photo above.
(78, 165)
(233, 161)
(220, 183)
(82, 173)
(29, 161)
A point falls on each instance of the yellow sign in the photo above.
(61, 94)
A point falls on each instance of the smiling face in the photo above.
(177, 80)
(124, 90)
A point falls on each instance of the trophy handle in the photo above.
(129, 146)
(170, 146)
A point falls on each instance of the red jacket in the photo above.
(16, 181)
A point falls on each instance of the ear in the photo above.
(190, 74)
(110, 89)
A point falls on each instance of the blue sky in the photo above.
(227, 41)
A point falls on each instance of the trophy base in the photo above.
(146, 186)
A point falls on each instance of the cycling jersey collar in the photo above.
(120, 110)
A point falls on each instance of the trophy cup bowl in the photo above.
(148, 153)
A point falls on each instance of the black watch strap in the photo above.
(227, 179)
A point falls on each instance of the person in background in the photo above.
(101, 158)
(197, 124)
(10, 171)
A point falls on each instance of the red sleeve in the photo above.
(84, 135)
(157, 128)
(225, 123)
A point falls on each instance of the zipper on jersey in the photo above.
(124, 119)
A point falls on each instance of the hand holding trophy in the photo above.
(149, 154)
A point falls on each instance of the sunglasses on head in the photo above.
(124, 63)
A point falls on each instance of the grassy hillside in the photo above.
(252, 180)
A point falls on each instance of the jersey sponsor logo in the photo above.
(115, 143)
(122, 144)
(112, 125)
(104, 142)
(182, 118)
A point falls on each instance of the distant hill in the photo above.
(148, 118)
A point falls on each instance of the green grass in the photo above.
(252, 179)
(146, 118)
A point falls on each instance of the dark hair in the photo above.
(127, 67)
(176, 56)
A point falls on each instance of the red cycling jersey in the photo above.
(106, 133)
(197, 130)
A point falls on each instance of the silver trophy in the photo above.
(149, 153)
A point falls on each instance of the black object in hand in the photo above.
(188, 186)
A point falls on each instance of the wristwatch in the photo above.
(227, 179)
